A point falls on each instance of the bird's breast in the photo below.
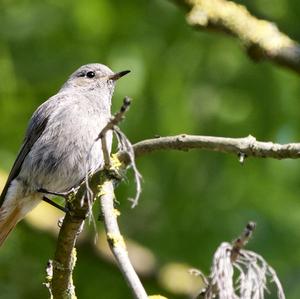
(66, 151)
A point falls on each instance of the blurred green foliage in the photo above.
(182, 81)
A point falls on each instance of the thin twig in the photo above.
(241, 241)
(262, 39)
(114, 121)
(125, 145)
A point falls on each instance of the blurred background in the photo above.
(182, 81)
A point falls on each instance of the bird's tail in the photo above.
(14, 208)
(8, 220)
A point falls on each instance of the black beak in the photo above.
(118, 75)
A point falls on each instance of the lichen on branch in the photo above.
(262, 39)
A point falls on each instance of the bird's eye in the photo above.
(90, 74)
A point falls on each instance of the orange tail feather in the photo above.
(8, 222)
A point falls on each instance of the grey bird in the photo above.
(59, 145)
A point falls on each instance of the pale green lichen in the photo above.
(115, 170)
(236, 19)
(100, 191)
(115, 162)
(117, 212)
(116, 240)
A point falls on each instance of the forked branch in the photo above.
(64, 257)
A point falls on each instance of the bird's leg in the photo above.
(54, 204)
(65, 195)
(62, 194)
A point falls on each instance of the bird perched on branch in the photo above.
(59, 146)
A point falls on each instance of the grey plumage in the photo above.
(61, 133)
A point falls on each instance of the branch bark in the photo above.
(117, 243)
(65, 258)
(247, 146)
(61, 285)
(262, 39)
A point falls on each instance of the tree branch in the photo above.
(65, 258)
(262, 39)
(61, 284)
(116, 241)
(64, 261)
(247, 146)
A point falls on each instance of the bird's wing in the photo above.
(36, 127)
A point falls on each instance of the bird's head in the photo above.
(94, 76)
